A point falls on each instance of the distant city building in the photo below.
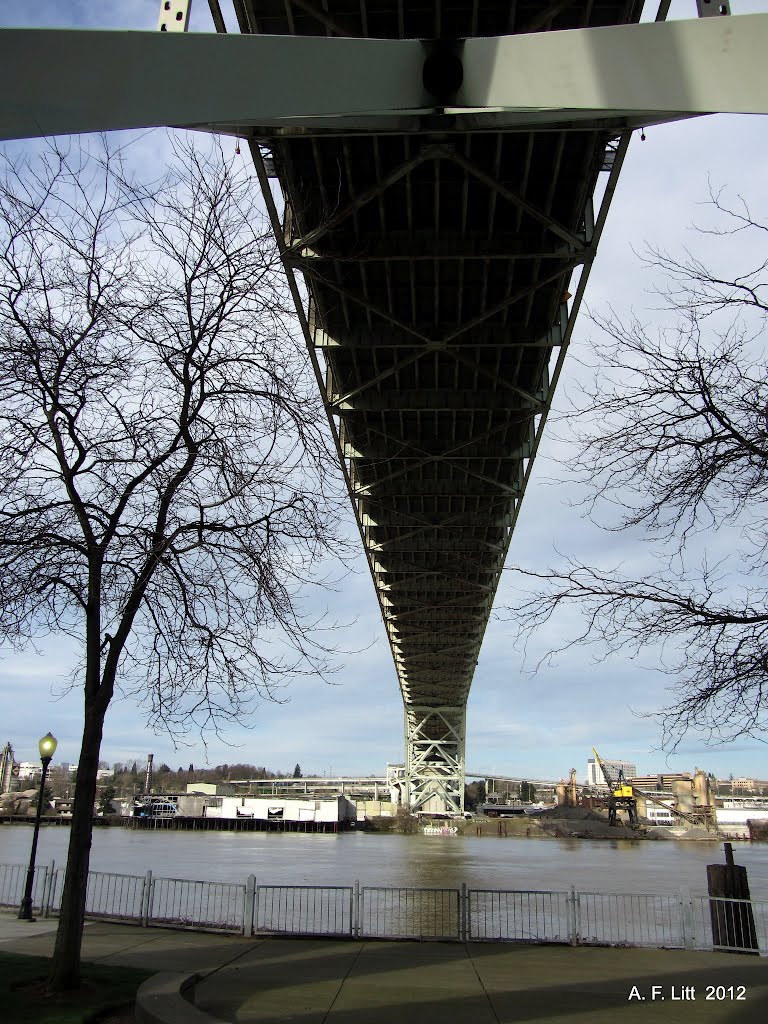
(742, 785)
(29, 770)
(207, 788)
(660, 782)
(595, 775)
(101, 773)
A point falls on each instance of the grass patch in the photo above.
(24, 1000)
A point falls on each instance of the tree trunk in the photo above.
(65, 966)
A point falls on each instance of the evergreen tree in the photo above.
(105, 802)
(474, 795)
(527, 792)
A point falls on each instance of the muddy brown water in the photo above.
(399, 860)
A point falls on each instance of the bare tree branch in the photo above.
(672, 434)
(166, 484)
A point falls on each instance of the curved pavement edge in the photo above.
(161, 999)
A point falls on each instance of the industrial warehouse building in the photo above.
(332, 809)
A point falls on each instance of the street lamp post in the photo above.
(47, 747)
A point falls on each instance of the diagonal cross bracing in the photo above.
(437, 261)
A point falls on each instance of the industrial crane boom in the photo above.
(626, 792)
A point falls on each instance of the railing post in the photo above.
(146, 899)
(45, 900)
(248, 906)
(687, 924)
(356, 909)
(42, 886)
(573, 916)
(45, 903)
(463, 913)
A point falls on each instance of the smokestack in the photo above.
(6, 768)
(148, 777)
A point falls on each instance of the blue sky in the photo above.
(524, 725)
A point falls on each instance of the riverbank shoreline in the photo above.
(579, 824)
(588, 826)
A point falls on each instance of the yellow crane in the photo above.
(621, 796)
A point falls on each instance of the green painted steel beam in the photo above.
(66, 81)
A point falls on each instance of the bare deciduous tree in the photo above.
(165, 485)
(672, 437)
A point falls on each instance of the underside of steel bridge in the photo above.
(446, 170)
(437, 255)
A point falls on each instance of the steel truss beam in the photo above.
(398, 450)
(434, 750)
(62, 81)
(700, 67)
(439, 400)
(487, 336)
(426, 153)
(548, 222)
(390, 250)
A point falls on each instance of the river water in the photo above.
(398, 860)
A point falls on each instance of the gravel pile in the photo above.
(583, 823)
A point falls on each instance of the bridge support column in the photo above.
(434, 758)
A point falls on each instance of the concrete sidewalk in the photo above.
(319, 981)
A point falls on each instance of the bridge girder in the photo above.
(65, 81)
